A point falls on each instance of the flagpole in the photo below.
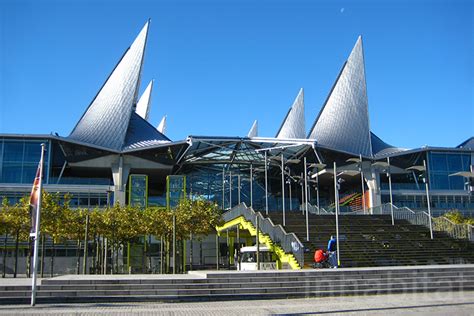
(37, 229)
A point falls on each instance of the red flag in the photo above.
(34, 197)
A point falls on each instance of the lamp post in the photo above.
(427, 196)
(389, 175)
(424, 173)
(251, 185)
(238, 187)
(290, 178)
(230, 189)
(306, 198)
(257, 237)
(337, 185)
(266, 185)
(302, 193)
(283, 188)
(319, 167)
(223, 188)
(288, 181)
(359, 165)
(336, 202)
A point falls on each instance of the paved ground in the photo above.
(452, 303)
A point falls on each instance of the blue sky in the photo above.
(219, 65)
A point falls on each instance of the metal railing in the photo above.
(289, 242)
(458, 231)
(313, 209)
(441, 223)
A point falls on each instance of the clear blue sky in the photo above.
(218, 65)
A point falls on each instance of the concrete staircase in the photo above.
(371, 240)
(211, 286)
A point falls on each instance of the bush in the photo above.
(456, 217)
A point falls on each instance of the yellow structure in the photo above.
(248, 226)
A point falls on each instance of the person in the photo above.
(332, 249)
(320, 256)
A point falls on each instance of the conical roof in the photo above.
(144, 103)
(343, 122)
(253, 132)
(141, 134)
(106, 120)
(293, 125)
(162, 126)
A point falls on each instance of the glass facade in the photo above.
(208, 185)
(19, 159)
(442, 164)
(78, 199)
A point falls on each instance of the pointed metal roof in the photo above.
(144, 103)
(162, 126)
(343, 122)
(468, 143)
(381, 148)
(141, 134)
(253, 132)
(106, 120)
(293, 125)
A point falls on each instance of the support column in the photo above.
(120, 172)
(373, 183)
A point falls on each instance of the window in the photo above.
(454, 163)
(438, 162)
(442, 165)
(13, 151)
(19, 160)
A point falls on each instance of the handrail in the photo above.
(441, 223)
(289, 242)
(458, 231)
(313, 209)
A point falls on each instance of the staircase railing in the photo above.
(289, 242)
(313, 209)
(457, 231)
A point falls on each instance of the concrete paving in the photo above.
(204, 273)
(453, 303)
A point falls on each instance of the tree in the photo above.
(154, 225)
(130, 226)
(4, 230)
(111, 225)
(75, 229)
(54, 221)
(96, 229)
(19, 224)
(198, 217)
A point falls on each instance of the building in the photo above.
(113, 141)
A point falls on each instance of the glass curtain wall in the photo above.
(442, 164)
(19, 159)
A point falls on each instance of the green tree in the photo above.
(19, 224)
(4, 230)
(130, 226)
(75, 229)
(198, 218)
(154, 225)
(111, 218)
(97, 229)
(53, 220)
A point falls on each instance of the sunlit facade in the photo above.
(113, 140)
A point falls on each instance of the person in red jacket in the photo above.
(320, 256)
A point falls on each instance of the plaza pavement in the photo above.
(451, 303)
(436, 303)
